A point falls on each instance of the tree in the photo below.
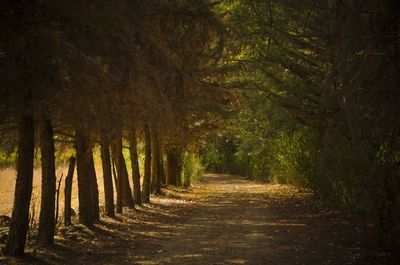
(122, 173)
(84, 156)
(15, 244)
(68, 191)
(147, 166)
(155, 163)
(107, 177)
(135, 166)
(47, 202)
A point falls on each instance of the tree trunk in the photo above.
(174, 167)
(147, 166)
(68, 191)
(47, 203)
(171, 179)
(118, 184)
(161, 169)
(107, 177)
(135, 166)
(15, 244)
(94, 191)
(122, 173)
(83, 156)
(186, 176)
(179, 169)
(155, 163)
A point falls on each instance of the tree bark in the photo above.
(122, 173)
(186, 176)
(147, 166)
(118, 185)
(155, 163)
(47, 203)
(15, 244)
(135, 166)
(94, 191)
(174, 167)
(68, 191)
(161, 169)
(107, 177)
(83, 156)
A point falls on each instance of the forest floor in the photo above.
(224, 219)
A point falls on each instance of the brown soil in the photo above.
(223, 220)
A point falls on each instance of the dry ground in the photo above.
(223, 220)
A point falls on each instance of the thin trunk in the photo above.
(147, 166)
(186, 176)
(161, 169)
(107, 177)
(179, 169)
(15, 244)
(94, 191)
(155, 163)
(174, 167)
(47, 203)
(135, 166)
(170, 176)
(118, 185)
(122, 173)
(83, 156)
(68, 191)
(58, 199)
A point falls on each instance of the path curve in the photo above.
(237, 221)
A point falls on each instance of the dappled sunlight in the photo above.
(224, 219)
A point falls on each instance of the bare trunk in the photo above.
(47, 203)
(174, 167)
(94, 191)
(15, 244)
(118, 185)
(147, 167)
(68, 191)
(122, 173)
(155, 161)
(186, 178)
(84, 159)
(107, 177)
(161, 169)
(135, 167)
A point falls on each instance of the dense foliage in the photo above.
(319, 86)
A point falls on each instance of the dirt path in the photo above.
(224, 220)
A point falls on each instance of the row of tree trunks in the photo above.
(135, 166)
(87, 183)
(107, 177)
(68, 191)
(147, 166)
(47, 203)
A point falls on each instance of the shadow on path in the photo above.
(225, 219)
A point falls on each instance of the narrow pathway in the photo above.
(223, 220)
(241, 222)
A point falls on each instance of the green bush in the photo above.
(7, 160)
